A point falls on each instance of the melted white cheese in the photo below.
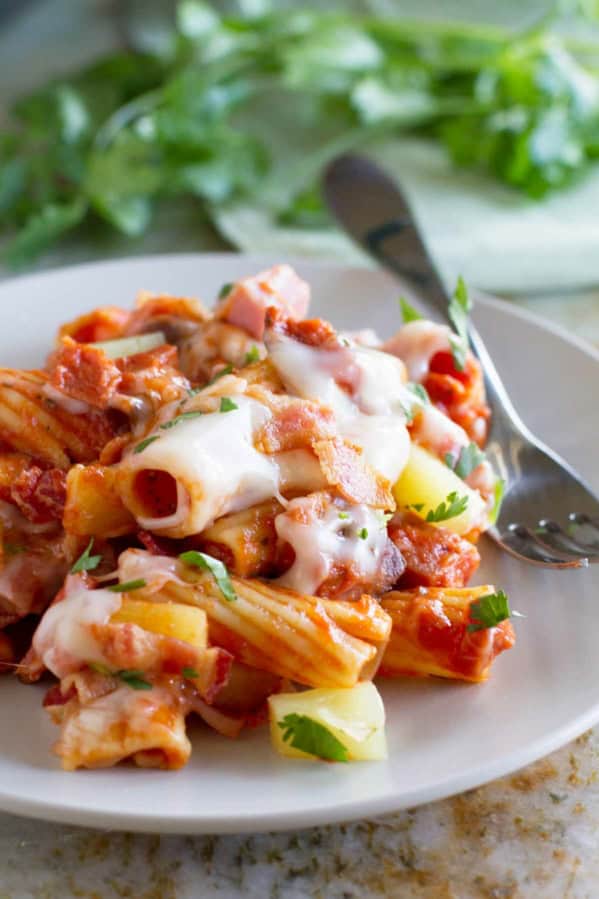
(215, 464)
(319, 543)
(74, 407)
(64, 640)
(416, 343)
(373, 416)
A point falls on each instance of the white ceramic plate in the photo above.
(443, 737)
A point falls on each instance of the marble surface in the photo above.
(532, 835)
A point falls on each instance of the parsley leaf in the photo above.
(189, 673)
(226, 370)
(408, 313)
(179, 418)
(488, 611)
(225, 290)
(227, 405)
(310, 736)
(420, 392)
(459, 307)
(363, 533)
(85, 562)
(452, 506)
(470, 458)
(343, 515)
(216, 568)
(252, 355)
(127, 586)
(141, 446)
(499, 493)
(13, 549)
(134, 679)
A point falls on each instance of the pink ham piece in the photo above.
(246, 303)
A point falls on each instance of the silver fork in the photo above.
(549, 516)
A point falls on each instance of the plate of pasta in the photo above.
(244, 581)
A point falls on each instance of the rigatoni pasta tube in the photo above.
(430, 634)
(269, 627)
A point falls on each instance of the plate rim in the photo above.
(152, 821)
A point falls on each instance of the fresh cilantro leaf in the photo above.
(141, 446)
(408, 313)
(452, 506)
(418, 507)
(128, 586)
(459, 308)
(488, 611)
(184, 416)
(227, 404)
(499, 492)
(216, 568)
(343, 515)
(190, 673)
(308, 735)
(226, 370)
(252, 355)
(43, 228)
(470, 458)
(86, 562)
(363, 533)
(225, 290)
(134, 679)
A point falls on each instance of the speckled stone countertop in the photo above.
(532, 835)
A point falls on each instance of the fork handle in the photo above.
(373, 208)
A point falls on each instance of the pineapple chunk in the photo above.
(186, 623)
(427, 480)
(354, 716)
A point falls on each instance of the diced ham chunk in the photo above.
(434, 556)
(246, 303)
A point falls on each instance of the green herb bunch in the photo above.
(133, 129)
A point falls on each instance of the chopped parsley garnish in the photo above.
(363, 533)
(100, 669)
(13, 549)
(499, 493)
(141, 446)
(134, 679)
(86, 562)
(420, 392)
(408, 313)
(252, 355)
(128, 585)
(488, 611)
(343, 515)
(417, 507)
(310, 736)
(459, 307)
(194, 390)
(227, 404)
(225, 370)
(216, 568)
(190, 673)
(451, 507)
(179, 418)
(470, 458)
(225, 290)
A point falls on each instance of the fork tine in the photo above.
(551, 535)
(583, 525)
(522, 543)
